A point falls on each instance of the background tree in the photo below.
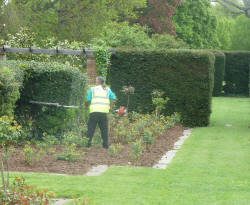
(232, 29)
(9, 21)
(73, 19)
(223, 31)
(236, 7)
(196, 25)
(240, 33)
(158, 15)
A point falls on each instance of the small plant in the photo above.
(128, 90)
(48, 149)
(137, 149)
(115, 149)
(22, 194)
(50, 139)
(70, 154)
(159, 102)
(75, 138)
(148, 137)
(31, 155)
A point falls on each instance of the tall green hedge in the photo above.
(249, 81)
(53, 83)
(237, 72)
(186, 77)
(219, 67)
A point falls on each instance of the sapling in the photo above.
(128, 90)
(10, 131)
(159, 102)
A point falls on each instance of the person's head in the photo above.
(100, 80)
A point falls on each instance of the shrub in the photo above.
(22, 194)
(32, 155)
(74, 138)
(53, 83)
(124, 35)
(219, 67)
(9, 135)
(137, 149)
(166, 41)
(115, 149)
(185, 76)
(10, 82)
(237, 72)
(70, 154)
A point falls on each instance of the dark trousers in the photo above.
(102, 120)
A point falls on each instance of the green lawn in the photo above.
(212, 167)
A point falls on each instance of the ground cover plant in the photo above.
(211, 168)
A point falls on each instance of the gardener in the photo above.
(100, 99)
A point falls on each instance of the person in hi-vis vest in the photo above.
(100, 100)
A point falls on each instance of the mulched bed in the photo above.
(99, 156)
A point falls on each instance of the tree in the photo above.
(236, 7)
(39, 15)
(73, 19)
(196, 25)
(158, 15)
(240, 33)
(9, 21)
(224, 30)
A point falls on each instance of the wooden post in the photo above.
(2, 56)
(91, 67)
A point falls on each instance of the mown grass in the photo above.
(212, 167)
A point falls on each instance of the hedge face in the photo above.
(249, 81)
(185, 76)
(237, 72)
(53, 83)
(219, 72)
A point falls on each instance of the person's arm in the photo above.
(112, 98)
(89, 98)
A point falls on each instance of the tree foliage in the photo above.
(196, 25)
(73, 19)
(240, 33)
(236, 7)
(158, 15)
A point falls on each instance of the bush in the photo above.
(237, 72)
(124, 35)
(53, 83)
(22, 194)
(163, 41)
(219, 67)
(10, 82)
(185, 76)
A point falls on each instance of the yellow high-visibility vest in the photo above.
(100, 100)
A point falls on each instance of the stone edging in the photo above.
(167, 158)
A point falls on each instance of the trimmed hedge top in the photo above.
(49, 82)
(186, 77)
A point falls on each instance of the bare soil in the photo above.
(98, 156)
